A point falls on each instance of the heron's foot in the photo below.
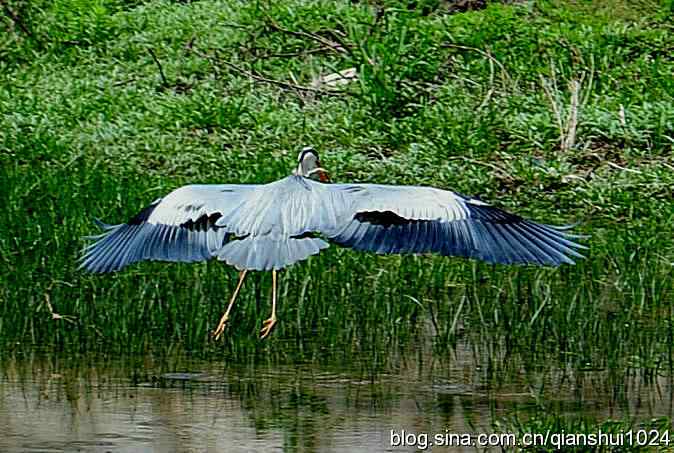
(268, 326)
(217, 333)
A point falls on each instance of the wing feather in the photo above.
(179, 227)
(414, 219)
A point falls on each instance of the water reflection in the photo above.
(181, 404)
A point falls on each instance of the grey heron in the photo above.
(271, 226)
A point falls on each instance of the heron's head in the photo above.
(309, 165)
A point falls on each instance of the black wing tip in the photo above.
(561, 231)
(508, 239)
(564, 230)
(96, 237)
(94, 269)
(89, 259)
(86, 264)
(543, 262)
(102, 225)
(122, 245)
(89, 263)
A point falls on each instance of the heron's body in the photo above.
(271, 226)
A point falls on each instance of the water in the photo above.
(51, 403)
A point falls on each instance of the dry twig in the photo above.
(280, 83)
(337, 47)
(481, 52)
(251, 75)
(555, 108)
(56, 316)
(485, 164)
(567, 128)
(631, 170)
(165, 83)
(572, 121)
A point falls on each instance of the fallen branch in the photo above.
(295, 54)
(124, 82)
(337, 47)
(282, 84)
(289, 86)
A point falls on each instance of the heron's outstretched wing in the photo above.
(410, 219)
(273, 225)
(179, 227)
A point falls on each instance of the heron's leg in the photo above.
(223, 321)
(269, 323)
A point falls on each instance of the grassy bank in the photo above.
(561, 111)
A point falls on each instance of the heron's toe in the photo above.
(268, 326)
(217, 333)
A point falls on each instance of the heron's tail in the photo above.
(264, 253)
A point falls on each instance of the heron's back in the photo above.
(273, 225)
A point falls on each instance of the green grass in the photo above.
(91, 128)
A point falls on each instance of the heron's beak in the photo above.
(317, 171)
(322, 173)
